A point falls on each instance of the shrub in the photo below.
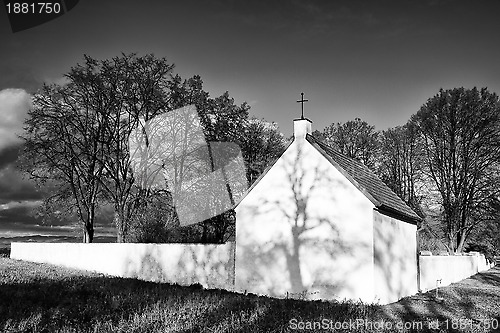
(157, 222)
(485, 248)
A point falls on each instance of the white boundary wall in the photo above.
(212, 266)
(209, 265)
(442, 270)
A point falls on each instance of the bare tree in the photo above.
(263, 143)
(138, 90)
(460, 130)
(355, 138)
(400, 164)
(78, 132)
(63, 143)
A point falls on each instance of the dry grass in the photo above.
(45, 298)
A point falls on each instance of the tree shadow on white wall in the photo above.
(211, 266)
(309, 239)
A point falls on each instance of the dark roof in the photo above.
(367, 182)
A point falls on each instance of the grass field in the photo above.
(45, 298)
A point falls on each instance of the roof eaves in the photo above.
(383, 209)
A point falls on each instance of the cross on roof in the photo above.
(302, 101)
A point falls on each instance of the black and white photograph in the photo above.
(250, 166)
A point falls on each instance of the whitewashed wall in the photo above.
(395, 258)
(335, 257)
(449, 269)
(213, 267)
(210, 265)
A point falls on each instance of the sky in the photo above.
(378, 60)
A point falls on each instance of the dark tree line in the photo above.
(444, 163)
(77, 136)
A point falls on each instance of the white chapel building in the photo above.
(320, 225)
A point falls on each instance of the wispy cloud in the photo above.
(60, 80)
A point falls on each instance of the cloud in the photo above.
(19, 213)
(14, 105)
(14, 188)
(60, 80)
(17, 204)
(9, 155)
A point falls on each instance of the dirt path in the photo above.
(471, 305)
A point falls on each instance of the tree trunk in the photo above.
(451, 240)
(293, 263)
(88, 233)
(461, 241)
(451, 244)
(120, 226)
(88, 230)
